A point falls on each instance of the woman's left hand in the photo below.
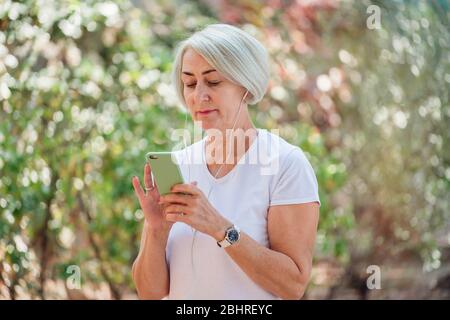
(198, 211)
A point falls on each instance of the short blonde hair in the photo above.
(234, 53)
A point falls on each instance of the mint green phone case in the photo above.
(166, 172)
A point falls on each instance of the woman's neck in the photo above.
(229, 146)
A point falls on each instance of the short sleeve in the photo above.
(295, 182)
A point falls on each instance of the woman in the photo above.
(237, 230)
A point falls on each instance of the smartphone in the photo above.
(165, 170)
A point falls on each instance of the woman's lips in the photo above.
(205, 112)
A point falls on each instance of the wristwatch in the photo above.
(232, 236)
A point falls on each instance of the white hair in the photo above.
(234, 53)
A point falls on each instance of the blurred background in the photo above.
(361, 86)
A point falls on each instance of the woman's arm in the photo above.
(285, 268)
(150, 271)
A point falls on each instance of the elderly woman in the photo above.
(237, 229)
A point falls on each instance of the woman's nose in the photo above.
(202, 94)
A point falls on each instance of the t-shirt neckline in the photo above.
(235, 168)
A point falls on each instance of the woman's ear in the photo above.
(248, 96)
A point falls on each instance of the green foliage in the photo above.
(85, 93)
(398, 119)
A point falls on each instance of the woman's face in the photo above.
(210, 97)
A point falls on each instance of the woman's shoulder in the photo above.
(276, 156)
(294, 180)
(279, 147)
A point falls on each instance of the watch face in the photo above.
(233, 235)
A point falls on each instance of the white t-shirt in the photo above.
(272, 172)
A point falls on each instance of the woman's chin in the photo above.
(207, 127)
(207, 124)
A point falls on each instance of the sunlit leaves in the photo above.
(84, 93)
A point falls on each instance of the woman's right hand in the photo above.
(148, 199)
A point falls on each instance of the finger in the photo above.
(155, 191)
(176, 217)
(186, 188)
(177, 208)
(148, 176)
(137, 188)
(176, 197)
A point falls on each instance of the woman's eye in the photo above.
(211, 83)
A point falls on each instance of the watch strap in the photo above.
(225, 242)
